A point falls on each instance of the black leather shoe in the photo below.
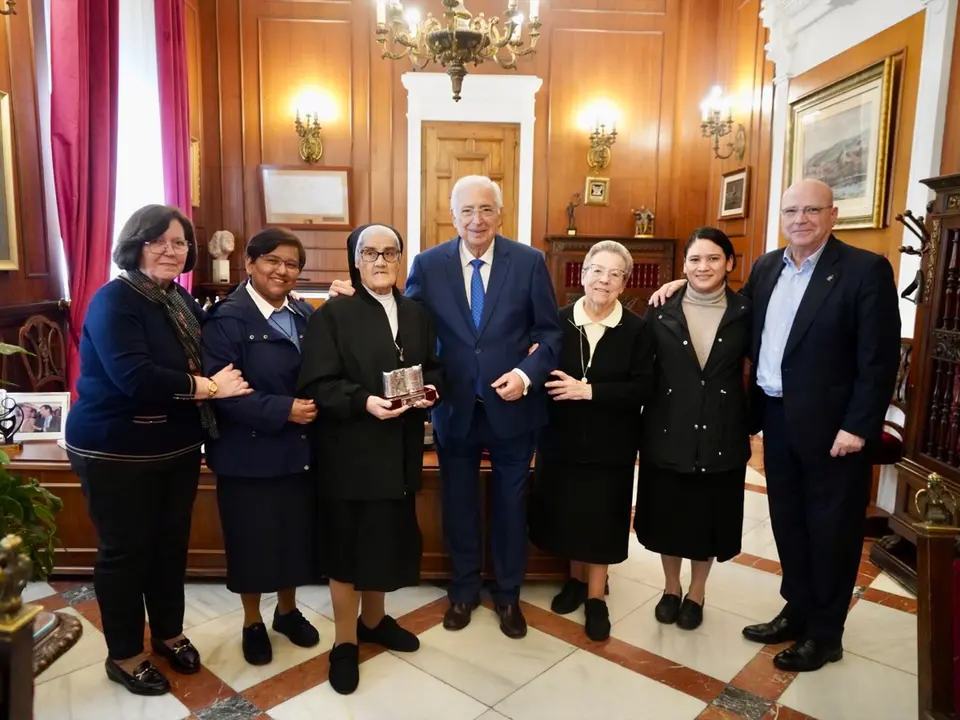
(571, 596)
(183, 656)
(457, 616)
(344, 668)
(512, 622)
(667, 609)
(776, 631)
(388, 634)
(597, 625)
(690, 615)
(807, 656)
(257, 649)
(145, 680)
(296, 627)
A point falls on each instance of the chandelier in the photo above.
(457, 39)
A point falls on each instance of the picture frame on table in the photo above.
(306, 198)
(734, 194)
(842, 134)
(43, 415)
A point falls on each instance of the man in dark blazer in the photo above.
(492, 300)
(826, 343)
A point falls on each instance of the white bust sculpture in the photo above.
(220, 247)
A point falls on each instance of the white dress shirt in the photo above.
(594, 329)
(265, 308)
(389, 303)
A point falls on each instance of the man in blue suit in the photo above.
(492, 301)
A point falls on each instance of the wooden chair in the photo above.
(46, 368)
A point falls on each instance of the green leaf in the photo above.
(6, 349)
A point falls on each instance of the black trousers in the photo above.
(817, 509)
(141, 511)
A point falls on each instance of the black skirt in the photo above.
(581, 511)
(269, 531)
(690, 515)
(371, 544)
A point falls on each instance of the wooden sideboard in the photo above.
(47, 462)
(653, 263)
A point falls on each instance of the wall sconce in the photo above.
(598, 156)
(11, 4)
(311, 147)
(717, 122)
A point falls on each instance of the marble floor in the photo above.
(644, 671)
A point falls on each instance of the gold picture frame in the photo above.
(194, 172)
(597, 191)
(306, 198)
(734, 194)
(9, 258)
(842, 134)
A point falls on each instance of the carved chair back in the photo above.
(46, 368)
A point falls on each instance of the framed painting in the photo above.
(597, 191)
(312, 198)
(8, 199)
(842, 134)
(734, 194)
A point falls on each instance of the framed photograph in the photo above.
(44, 415)
(306, 198)
(8, 199)
(842, 135)
(194, 172)
(597, 191)
(734, 194)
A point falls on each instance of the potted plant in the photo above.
(30, 511)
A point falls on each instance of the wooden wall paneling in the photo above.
(906, 39)
(950, 156)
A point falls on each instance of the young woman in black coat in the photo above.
(695, 440)
(587, 453)
(370, 456)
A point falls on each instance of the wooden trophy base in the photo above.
(413, 398)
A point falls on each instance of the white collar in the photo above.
(385, 299)
(466, 257)
(265, 308)
(580, 317)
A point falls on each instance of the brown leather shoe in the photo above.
(457, 616)
(512, 622)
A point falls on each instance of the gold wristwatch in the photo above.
(212, 388)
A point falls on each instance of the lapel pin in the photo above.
(829, 278)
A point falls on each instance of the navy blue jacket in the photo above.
(256, 438)
(135, 391)
(520, 310)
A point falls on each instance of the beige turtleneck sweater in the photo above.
(703, 313)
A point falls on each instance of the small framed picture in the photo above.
(597, 191)
(734, 194)
(306, 198)
(41, 416)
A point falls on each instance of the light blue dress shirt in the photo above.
(781, 312)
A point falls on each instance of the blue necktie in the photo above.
(477, 296)
(282, 319)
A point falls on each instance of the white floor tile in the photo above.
(492, 715)
(854, 689)
(481, 661)
(390, 689)
(717, 648)
(586, 686)
(644, 566)
(625, 596)
(219, 643)
(91, 649)
(209, 601)
(36, 591)
(755, 478)
(760, 542)
(882, 634)
(87, 694)
(755, 505)
(750, 593)
(397, 603)
(888, 584)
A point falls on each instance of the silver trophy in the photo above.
(404, 386)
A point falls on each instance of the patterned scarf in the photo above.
(184, 323)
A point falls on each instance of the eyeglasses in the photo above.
(792, 212)
(160, 246)
(391, 255)
(273, 262)
(595, 272)
(484, 212)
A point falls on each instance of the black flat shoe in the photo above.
(388, 634)
(571, 596)
(183, 656)
(344, 668)
(667, 609)
(690, 615)
(457, 616)
(778, 630)
(145, 679)
(257, 649)
(807, 656)
(296, 627)
(597, 625)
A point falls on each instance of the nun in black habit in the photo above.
(369, 456)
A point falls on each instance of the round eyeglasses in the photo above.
(391, 255)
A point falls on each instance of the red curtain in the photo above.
(84, 42)
(174, 107)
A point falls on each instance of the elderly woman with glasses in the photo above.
(370, 449)
(587, 453)
(134, 438)
(263, 457)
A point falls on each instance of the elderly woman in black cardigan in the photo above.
(580, 507)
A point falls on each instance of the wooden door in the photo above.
(453, 150)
